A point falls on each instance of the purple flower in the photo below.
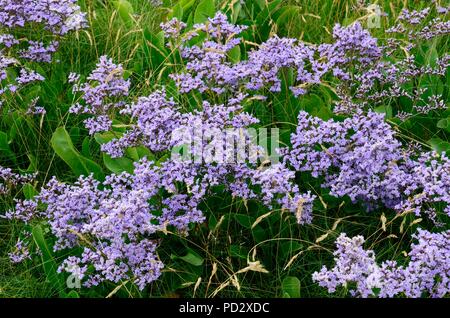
(427, 273)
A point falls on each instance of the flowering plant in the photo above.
(168, 151)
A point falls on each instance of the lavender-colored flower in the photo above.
(55, 18)
(58, 16)
(11, 179)
(33, 109)
(28, 76)
(8, 40)
(360, 158)
(172, 28)
(73, 77)
(427, 273)
(105, 83)
(353, 47)
(356, 156)
(21, 252)
(98, 124)
(37, 52)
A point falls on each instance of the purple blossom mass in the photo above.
(56, 17)
(165, 134)
(427, 271)
(361, 158)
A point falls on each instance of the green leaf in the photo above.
(75, 134)
(192, 258)
(238, 251)
(118, 165)
(29, 191)
(144, 152)
(314, 105)
(125, 10)
(63, 146)
(204, 10)
(177, 12)
(85, 147)
(444, 124)
(4, 147)
(154, 48)
(32, 167)
(291, 287)
(48, 262)
(432, 55)
(187, 4)
(244, 220)
(125, 163)
(387, 110)
(103, 138)
(235, 11)
(259, 233)
(235, 54)
(72, 294)
(439, 145)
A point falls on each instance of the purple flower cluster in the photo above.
(412, 23)
(427, 273)
(160, 125)
(360, 158)
(115, 221)
(113, 225)
(10, 179)
(156, 117)
(21, 252)
(101, 93)
(37, 52)
(430, 183)
(392, 66)
(58, 17)
(210, 68)
(356, 156)
(353, 49)
(354, 61)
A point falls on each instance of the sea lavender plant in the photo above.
(210, 68)
(354, 62)
(427, 272)
(102, 92)
(393, 67)
(10, 179)
(115, 223)
(360, 158)
(356, 156)
(56, 17)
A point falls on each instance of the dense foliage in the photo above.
(116, 174)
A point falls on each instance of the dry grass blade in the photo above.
(197, 284)
(255, 266)
(322, 237)
(259, 219)
(416, 221)
(213, 273)
(299, 211)
(218, 289)
(115, 290)
(383, 222)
